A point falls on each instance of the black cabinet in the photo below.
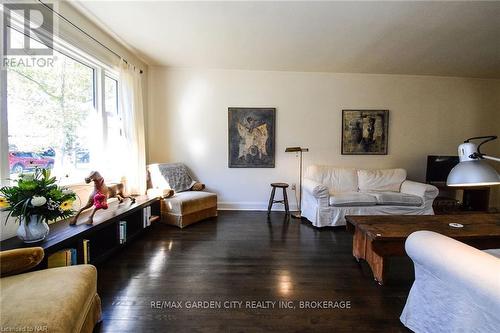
(461, 199)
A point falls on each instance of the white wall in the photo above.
(187, 121)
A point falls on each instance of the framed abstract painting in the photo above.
(365, 132)
(251, 137)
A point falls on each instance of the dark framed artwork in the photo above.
(365, 132)
(251, 137)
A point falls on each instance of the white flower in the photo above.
(37, 201)
(67, 191)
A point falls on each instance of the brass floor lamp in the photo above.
(298, 150)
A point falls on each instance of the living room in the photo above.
(226, 98)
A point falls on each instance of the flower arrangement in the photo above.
(37, 194)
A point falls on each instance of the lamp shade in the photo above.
(473, 173)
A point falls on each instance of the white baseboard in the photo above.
(260, 206)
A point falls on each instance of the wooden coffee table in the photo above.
(378, 237)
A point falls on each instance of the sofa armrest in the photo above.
(456, 263)
(19, 260)
(425, 191)
(316, 189)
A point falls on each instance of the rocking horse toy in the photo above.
(100, 195)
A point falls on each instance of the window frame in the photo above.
(100, 71)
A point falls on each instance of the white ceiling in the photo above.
(428, 38)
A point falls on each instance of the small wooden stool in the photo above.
(285, 197)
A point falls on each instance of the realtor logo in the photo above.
(33, 20)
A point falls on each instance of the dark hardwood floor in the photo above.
(243, 256)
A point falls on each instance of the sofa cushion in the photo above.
(184, 203)
(337, 180)
(381, 180)
(350, 199)
(397, 199)
(57, 298)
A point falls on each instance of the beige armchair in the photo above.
(57, 300)
(189, 203)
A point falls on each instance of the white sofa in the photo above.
(330, 193)
(456, 288)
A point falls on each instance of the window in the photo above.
(114, 130)
(57, 118)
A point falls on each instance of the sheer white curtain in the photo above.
(131, 107)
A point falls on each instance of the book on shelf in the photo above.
(74, 258)
(66, 257)
(144, 222)
(122, 231)
(146, 216)
(86, 251)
